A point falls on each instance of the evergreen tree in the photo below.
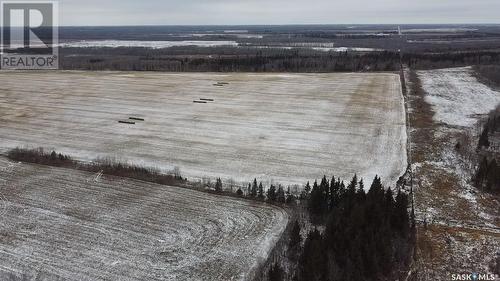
(389, 202)
(218, 185)
(289, 197)
(351, 193)
(280, 195)
(376, 189)
(261, 192)
(325, 191)
(493, 176)
(334, 195)
(342, 189)
(361, 194)
(400, 214)
(481, 173)
(239, 192)
(351, 188)
(271, 193)
(313, 262)
(307, 189)
(276, 273)
(253, 193)
(295, 237)
(317, 201)
(354, 181)
(484, 139)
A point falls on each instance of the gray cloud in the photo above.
(179, 12)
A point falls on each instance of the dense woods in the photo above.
(487, 175)
(227, 60)
(355, 235)
(366, 236)
(247, 59)
(452, 59)
(489, 74)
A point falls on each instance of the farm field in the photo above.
(286, 128)
(63, 224)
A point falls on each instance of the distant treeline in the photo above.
(453, 59)
(226, 60)
(489, 73)
(247, 59)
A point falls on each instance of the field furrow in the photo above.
(58, 224)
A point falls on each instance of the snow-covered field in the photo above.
(347, 49)
(61, 224)
(439, 30)
(456, 96)
(286, 128)
(326, 47)
(145, 44)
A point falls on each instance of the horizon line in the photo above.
(285, 24)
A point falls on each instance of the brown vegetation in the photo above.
(420, 120)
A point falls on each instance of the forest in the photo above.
(487, 176)
(490, 74)
(247, 59)
(356, 235)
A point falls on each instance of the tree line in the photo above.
(490, 73)
(450, 59)
(105, 166)
(226, 60)
(256, 191)
(248, 59)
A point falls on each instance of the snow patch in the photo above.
(145, 44)
(456, 96)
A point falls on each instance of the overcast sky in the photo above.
(212, 12)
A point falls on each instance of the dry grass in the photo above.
(444, 249)
(421, 121)
(440, 247)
